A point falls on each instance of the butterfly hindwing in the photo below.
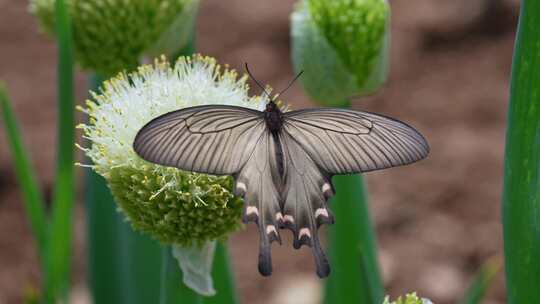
(255, 183)
(304, 207)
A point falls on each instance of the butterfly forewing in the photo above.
(207, 139)
(345, 141)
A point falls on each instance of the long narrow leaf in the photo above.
(58, 257)
(476, 292)
(355, 276)
(103, 242)
(521, 197)
(33, 200)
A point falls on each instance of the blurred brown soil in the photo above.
(437, 221)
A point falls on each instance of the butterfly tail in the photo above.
(261, 206)
(304, 212)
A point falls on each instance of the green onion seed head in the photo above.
(114, 35)
(173, 206)
(342, 46)
(410, 298)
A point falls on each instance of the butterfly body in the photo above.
(282, 162)
(273, 117)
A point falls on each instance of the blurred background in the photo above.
(437, 221)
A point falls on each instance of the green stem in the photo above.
(103, 243)
(58, 256)
(173, 290)
(476, 292)
(355, 276)
(33, 200)
(521, 197)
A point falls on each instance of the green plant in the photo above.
(476, 292)
(521, 197)
(410, 298)
(117, 254)
(53, 232)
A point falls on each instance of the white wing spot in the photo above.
(288, 218)
(241, 187)
(326, 188)
(252, 210)
(279, 216)
(304, 231)
(270, 229)
(321, 211)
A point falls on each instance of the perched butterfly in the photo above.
(282, 162)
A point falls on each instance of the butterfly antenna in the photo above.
(289, 85)
(260, 85)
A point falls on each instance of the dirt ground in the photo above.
(436, 221)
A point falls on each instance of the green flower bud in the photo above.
(411, 298)
(111, 36)
(342, 45)
(171, 205)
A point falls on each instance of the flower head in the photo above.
(110, 36)
(171, 205)
(410, 298)
(342, 46)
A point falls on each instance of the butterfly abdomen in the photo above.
(274, 123)
(279, 155)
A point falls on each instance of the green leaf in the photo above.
(521, 197)
(33, 200)
(475, 293)
(355, 276)
(103, 248)
(58, 251)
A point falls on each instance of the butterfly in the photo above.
(282, 162)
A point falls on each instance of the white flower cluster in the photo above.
(127, 102)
